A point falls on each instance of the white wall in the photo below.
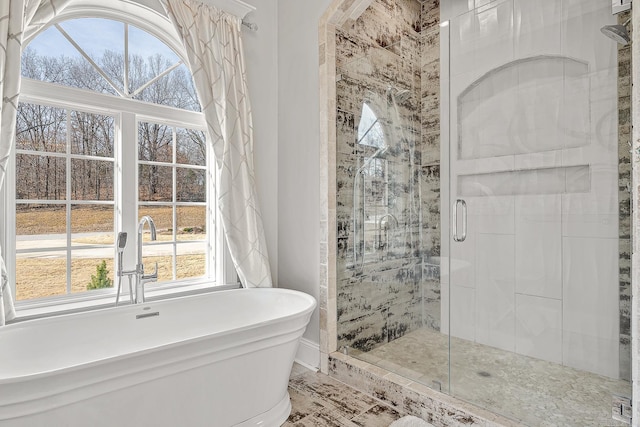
(298, 149)
(282, 67)
(261, 51)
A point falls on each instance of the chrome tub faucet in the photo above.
(142, 278)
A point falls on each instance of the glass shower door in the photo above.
(535, 309)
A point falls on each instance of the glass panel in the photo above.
(41, 274)
(34, 219)
(91, 180)
(155, 142)
(92, 269)
(40, 177)
(164, 256)
(155, 183)
(191, 260)
(92, 134)
(92, 225)
(191, 147)
(192, 222)
(382, 316)
(163, 219)
(96, 35)
(41, 128)
(191, 185)
(144, 45)
(174, 89)
(536, 278)
(50, 57)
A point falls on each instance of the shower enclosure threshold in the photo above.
(409, 371)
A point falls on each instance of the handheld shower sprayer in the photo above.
(121, 243)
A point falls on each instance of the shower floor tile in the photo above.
(532, 391)
(319, 400)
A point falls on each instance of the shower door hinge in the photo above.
(621, 408)
(619, 6)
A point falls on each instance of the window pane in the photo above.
(96, 35)
(88, 271)
(91, 134)
(155, 142)
(91, 180)
(163, 219)
(41, 274)
(190, 185)
(192, 222)
(103, 41)
(191, 147)
(40, 177)
(41, 128)
(155, 183)
(39, 219)
(174, 89)
(92, 225)
(191, 260)
(163, 255)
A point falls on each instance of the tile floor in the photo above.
(319, 400)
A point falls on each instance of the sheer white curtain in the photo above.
(214, 48)
(17, 18)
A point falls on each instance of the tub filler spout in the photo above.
(141, 278)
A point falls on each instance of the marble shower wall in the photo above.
(624, 200)
(379, 283)
(430, 129)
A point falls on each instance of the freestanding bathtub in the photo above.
(219, 359)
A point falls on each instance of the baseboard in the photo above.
(308, 354)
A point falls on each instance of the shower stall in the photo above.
(482, 202)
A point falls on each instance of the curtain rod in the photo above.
(250, 25)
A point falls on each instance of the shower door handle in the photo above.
(462, 237)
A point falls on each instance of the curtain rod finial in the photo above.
(250, 25)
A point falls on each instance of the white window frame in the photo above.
(155, 22)
(127, 113)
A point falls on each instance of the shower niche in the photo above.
(483, 229)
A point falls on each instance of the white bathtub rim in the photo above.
(146, 351)
(303, 315)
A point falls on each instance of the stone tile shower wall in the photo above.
(430, 116)
(379, 289)
(624, 199)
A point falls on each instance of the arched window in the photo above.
(369, 129)
(109, 129)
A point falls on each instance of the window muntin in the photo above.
(67, 143)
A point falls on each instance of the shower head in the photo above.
(618, 33)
